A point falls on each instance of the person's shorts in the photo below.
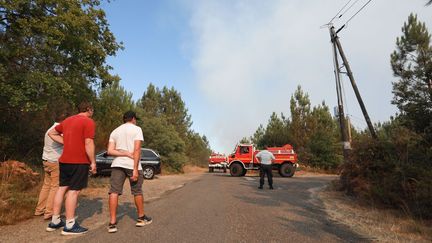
(118, 177)
(75, 176)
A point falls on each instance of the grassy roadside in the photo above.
(380, 224)
(19, 189)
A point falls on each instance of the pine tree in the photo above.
(110, 105)
(300, 107)
(412, 64)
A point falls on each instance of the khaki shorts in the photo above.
(118, 177)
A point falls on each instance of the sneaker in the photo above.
(75, 230)
(144, 220)
(271, 188)
(112, 228)
(260, 187)
(52, 227)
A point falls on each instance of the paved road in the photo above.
(220, 208)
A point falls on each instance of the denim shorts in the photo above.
(118, 177)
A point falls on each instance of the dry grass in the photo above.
(306, 168)
(383, 225)
(19, 189)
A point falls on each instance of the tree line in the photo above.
(311, 130)
(52, 57)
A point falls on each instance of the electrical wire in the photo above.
(340, 11)
(350, 7)
(358, 12)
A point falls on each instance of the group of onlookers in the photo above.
(68, 157)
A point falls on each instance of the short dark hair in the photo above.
(85, 106)
(61, 116)
(129, 115)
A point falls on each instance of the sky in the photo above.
(237, 61)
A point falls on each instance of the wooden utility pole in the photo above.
(337, 45)
(341, 114)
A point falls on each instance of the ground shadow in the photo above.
(88, 207)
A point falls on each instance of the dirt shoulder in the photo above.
(92, 209)
(378, 224)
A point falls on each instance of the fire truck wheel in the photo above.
(287, 170)
(236, 170)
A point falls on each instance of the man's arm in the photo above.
(258, 156)
(136, 158)
(117, 152)
(90, 150)
(56, 136)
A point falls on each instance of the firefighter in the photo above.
(266, 158)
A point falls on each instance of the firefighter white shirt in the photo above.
(124, 138)
(266, 157)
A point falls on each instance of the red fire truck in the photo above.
(217, 161)
(244, 158)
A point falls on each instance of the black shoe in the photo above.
(52, 227)
(144, 220)
(271, 188)
(75, 230)
(260, 187)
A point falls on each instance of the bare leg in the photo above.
(113, 202)
(71, 203)
(139, 203)
(58, 199)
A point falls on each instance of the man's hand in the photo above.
(130, 154)
(134, 175)
(93, 168)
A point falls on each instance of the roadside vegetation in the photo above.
(18, 192)
(396, 170)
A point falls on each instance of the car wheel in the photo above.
(148, 172)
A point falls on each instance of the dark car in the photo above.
(150, 162)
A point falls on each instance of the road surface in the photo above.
(220, 208)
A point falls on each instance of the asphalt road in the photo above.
(220, 208)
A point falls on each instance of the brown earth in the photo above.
(382, 225)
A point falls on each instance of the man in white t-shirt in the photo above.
(125, 143)
(265, 158)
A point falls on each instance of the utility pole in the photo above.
(342, 124)
(336, 43)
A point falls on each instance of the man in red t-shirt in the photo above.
(76, 133)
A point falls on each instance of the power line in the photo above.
(357, 12)
(340, 11)
(348, 9)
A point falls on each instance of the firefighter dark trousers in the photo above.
(266, 169)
